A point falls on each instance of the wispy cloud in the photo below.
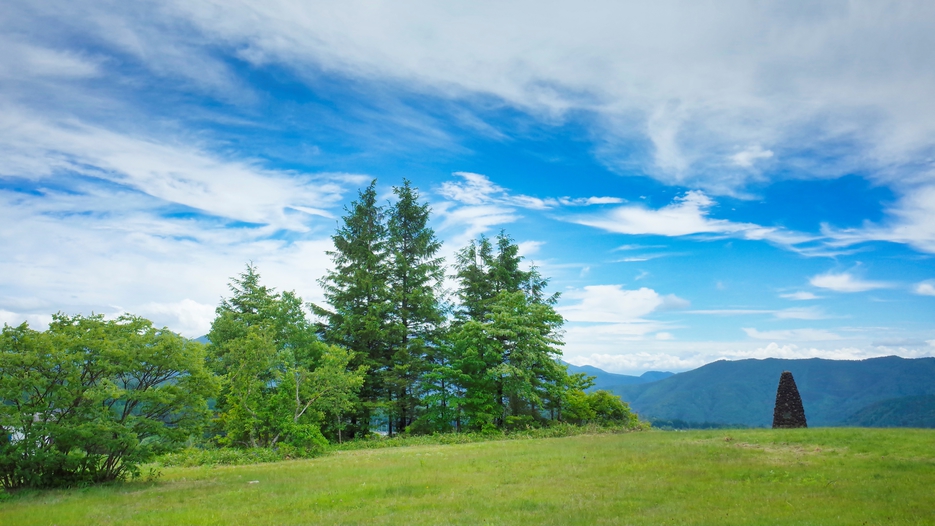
(475, 204)
(173, 172)
(800, 296)
(845, 282)
(925, 288)
(477, 189)
(908, 221)
(694, 95)
(687, 215)
(792, 334)
(807, 313)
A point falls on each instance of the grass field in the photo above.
(809, 476)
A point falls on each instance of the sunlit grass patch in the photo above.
(811, 476)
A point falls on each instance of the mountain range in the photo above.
(877, 392)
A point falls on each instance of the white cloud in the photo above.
(173, 172)
(698, 83)
(686, 215)
(748, 157)
(187, 317)
(475, 204)
(805, 313)
(528, 248)
(472, 220)
(845, 282)
(793, 334)
(24, 61)
(604, 317)
(478, 189)
(925, 289)
(614, 304)
(38, 322)
(112, 253)
(908, 221)
(587, 201)
(800, 313)
(475, 189)
(800, 296)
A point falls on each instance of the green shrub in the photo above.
(90, 400)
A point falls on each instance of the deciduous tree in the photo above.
(90, 399)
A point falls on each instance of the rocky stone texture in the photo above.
(789, 412)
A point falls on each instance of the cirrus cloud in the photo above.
(845, 282)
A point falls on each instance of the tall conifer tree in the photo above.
(506, 344)
(414, 278)
(357, 291)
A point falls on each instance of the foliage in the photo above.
(506, 344)
(228, 456)
(358, 294)
(905, 411)
(417, 318)
(89, 399)
(600, 407)
(280, 381)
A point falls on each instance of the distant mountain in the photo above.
(202, 339)
(608, 381)
(906, 411)
(743, 392)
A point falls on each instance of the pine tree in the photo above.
(358, 293)
(507, 340)
(414, 278)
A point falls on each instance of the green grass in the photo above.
(809, 476)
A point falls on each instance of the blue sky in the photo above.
(701, 181)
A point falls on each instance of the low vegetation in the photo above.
(809, 476)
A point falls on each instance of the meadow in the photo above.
(816, 476)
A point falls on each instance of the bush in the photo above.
(90, 400)
(229, 456)
(600, 407)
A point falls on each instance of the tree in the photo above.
(414, 278)
(90, 399)
(280, 380)
(357, 291)
(484, 271)
(507, 339)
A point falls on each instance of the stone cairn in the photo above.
(789, 412)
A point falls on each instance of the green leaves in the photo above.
(89, 399)
(507, 339)
(280, 381)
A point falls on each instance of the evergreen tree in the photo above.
(414, 279)
(506, 343)
(484, 271)
(357, 291)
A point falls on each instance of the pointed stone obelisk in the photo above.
(788, 412)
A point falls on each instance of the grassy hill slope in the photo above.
(809, 476)
(744, 391)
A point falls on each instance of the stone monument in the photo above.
(789, 412)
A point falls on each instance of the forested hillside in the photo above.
(906, 411)
(605, 380)
(743, 392)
